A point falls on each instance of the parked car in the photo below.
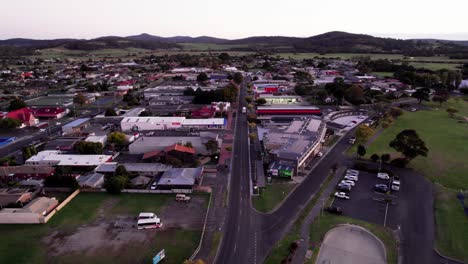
(58, 123)
(153, 186)
(320, 154)
(182, 198)
(348, 182)
(341, 195)
(351, 171)
(383, 176)
(413, 109)
(344, 188)
(395, 183)
(352, 140)
(351, 178)
(381, 188)
(334, 210)
(42, 130)
(361, 117)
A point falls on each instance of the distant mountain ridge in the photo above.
(331, 42)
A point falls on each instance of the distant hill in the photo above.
(331, 42)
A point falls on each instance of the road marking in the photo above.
(255, 248)
(385, 219)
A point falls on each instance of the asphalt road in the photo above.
(238, 243)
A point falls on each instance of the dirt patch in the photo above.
(184, 215)
(103, 233)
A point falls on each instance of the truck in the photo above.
(244, 110)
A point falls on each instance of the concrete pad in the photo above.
(351, 244)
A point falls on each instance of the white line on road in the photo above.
(385, 219)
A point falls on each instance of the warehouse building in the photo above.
(170, 123)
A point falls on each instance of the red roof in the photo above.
(180, 148)
(23, 114)
(48, 111)
(151, 154)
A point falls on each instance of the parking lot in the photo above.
(369, 205)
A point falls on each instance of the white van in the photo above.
(146, 216)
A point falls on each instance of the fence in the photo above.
(60, 206)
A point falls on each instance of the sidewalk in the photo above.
(316, 210)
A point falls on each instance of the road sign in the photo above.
(160, 256)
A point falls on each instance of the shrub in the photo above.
(399, 162)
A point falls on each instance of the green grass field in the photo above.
(446, 165)
(23, 243)
(445, 138)
(452, 224)
(383, 74)
(436, 66)
(209, 46)
(272, 195)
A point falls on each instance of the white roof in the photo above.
(208, 121)
(69, 159)
(149, 220)
(96, 139)
(146, 215)
(154, 119)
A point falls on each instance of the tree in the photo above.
(61, 181)
(117, 138)
(121, 171)
(115, 184)
(252, 136)
(224, 57)
(452, 111)
(188, 144)
(238, 78)
(261, 101)
(248, 99)
(202, 77)
(110, 112)
(374, 157)
(211, 146)
(440, 97)
(396, 112)
(422, 94)
(361, 150)
(28, 152)
(88, 148)
(355, 94)
(409, 144)
(71, 113)
(385, 157)
(9, 123)
(79, 99)
(363, 133)
(16, 104)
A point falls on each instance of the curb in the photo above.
(449, 258)
(203, 231)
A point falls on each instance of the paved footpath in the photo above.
(316, 210)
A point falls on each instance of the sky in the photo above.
(48, 19)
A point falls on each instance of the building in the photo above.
(148, 169)
(281, 99)
(55, 158)
(97, 139)
(181, 152)
(32, 213)
(179, 178)
(76, 127)
(141, 181)
(296, 144)
(14, 197)
(148, 144)
(288, 110)
(11, 173)
(25, 115)
(50, 112)
(168, 123)
(92, 180)
(62, 144)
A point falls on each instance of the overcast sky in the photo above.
(45, 19)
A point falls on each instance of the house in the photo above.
(181, 152)
(179, 178)
(92, 180)
(25, 115)
(41, 206)
(14, 197)
(149, 169)
(76, 127)
(50, 112)
(25, 172)
(140, 181)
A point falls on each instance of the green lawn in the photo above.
(452, 224)
(272, 195)
(383, 74)
(322, 224)
(22, 243)
(445, 138)
(436, 65)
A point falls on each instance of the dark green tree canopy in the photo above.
(409, 144)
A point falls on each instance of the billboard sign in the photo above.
(160, 256)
